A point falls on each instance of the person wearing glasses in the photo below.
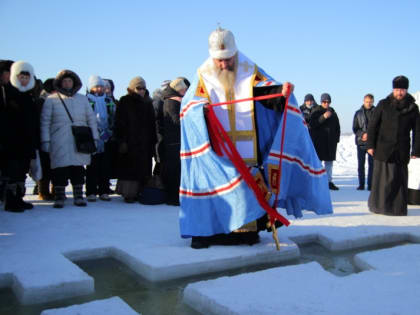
(135, 133)
(325, 133)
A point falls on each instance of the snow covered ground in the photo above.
(38, 247)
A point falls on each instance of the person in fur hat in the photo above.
(19, 133)
(388, 141)
(99, 170)
(57, 137)
(135, 134)
(171, 138)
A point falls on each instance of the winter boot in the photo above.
(11, 200)
(44, 190)
(60, 193)
(78, 196)
(20, 194)
(331, 186)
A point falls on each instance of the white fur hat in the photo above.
(222, 44)
(17, 68)
(95, 80)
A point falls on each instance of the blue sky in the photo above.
(347, 48)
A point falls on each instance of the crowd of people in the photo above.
(36, 120)
(388, 135)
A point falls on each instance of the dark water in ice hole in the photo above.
(113, 278)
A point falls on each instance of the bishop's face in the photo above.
(225, 64)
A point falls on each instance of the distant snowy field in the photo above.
(346, 162)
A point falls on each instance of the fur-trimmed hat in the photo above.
(77, 83)
(400, 82)
(325, 97)
(135, 82)
(222, 44)
(95, 80)
(17, 68)
(179, 84)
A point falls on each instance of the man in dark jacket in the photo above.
(388, 142)
(325, 134)
(360, 127)
(308, 107)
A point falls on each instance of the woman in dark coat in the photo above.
(325, 134)
(135, 133)
(20, 134)
(171, 138)
(389, 131)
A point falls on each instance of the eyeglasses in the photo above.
(139, 88)
(326, 102)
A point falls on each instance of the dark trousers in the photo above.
(15, 170)
(361, 157)
(61, 175)
(98, 174)
(45, 165)
(171, 172)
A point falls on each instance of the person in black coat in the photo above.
(308, 107)
(360, 126)
(135, 133)
(389, 131)
(4, 81)
(171, 138)
(325, 134)
(19, 130)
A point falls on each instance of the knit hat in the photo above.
(179, 84)
(165, 84)
(48, 85)
(400, 82)
(135, 82)
(222, 44)
(5, 65)
(110, 83)
(325, 98)
(309, 97)
(95, 80)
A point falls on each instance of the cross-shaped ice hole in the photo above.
(113, 278)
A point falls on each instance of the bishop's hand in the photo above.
(287, 89)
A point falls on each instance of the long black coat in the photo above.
(390, 127)
(360, 124)
(135, 126)
(325, 133)
(171, 134)
(19, 125)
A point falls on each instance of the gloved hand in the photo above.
(123, 148)
(45, 146)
